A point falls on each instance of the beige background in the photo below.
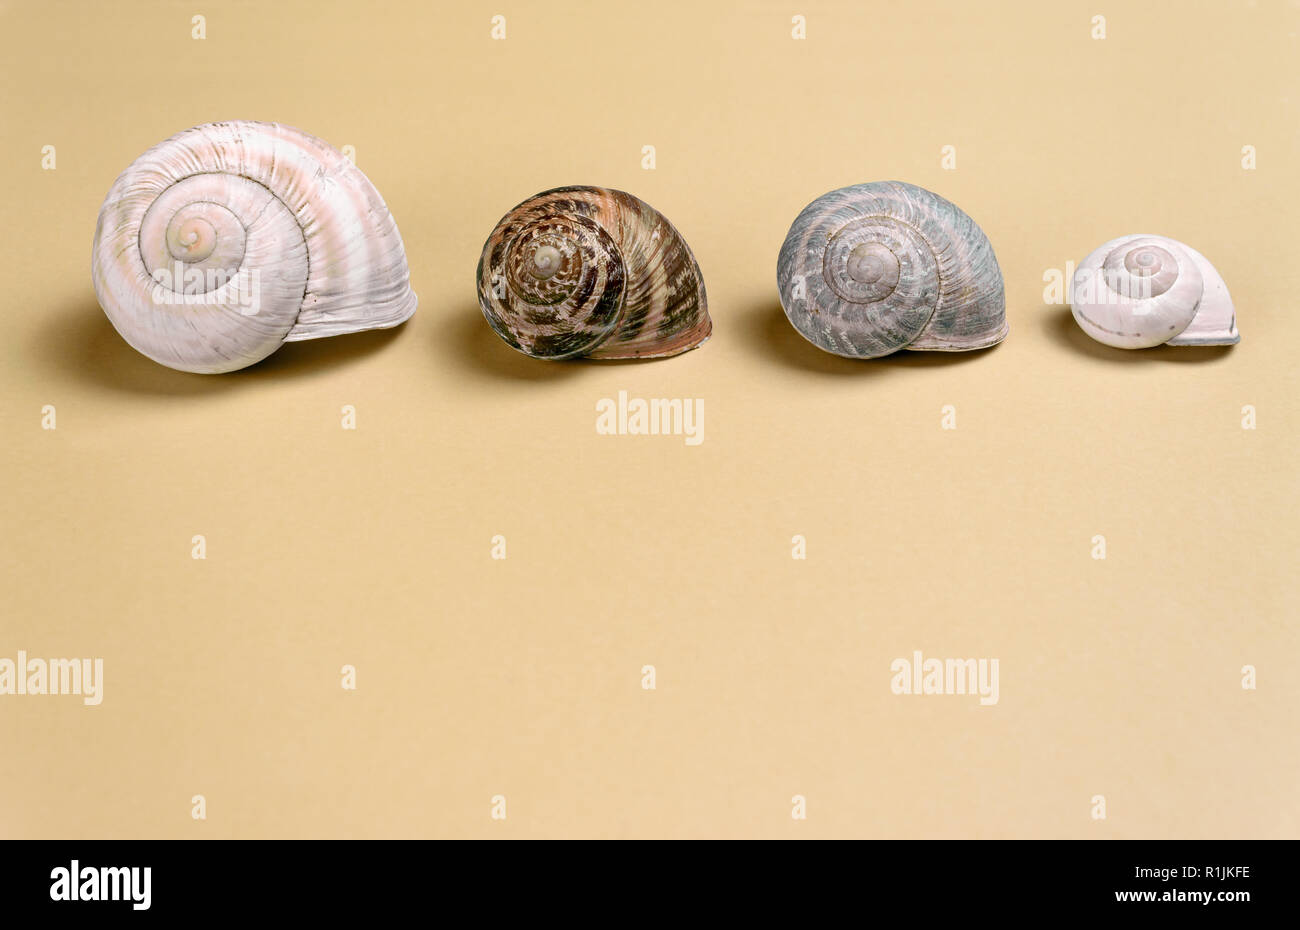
(327, 547)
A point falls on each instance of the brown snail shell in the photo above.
(591, 272)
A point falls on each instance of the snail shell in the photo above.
(873, 268)
(1135, 292)
(228, 239)
(588, 271)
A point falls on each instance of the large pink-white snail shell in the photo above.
(218, 245)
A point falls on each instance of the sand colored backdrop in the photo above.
(523, 678)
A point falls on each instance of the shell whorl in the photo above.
(1139, 291)
(588, 271)
(873, 268)
(228, 239)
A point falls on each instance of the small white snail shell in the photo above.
(218, 245)
(874, 268)
(1139, 291)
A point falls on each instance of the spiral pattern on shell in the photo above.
(588, 271)
(226, 240)
(873, 268)
(1139, 291)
